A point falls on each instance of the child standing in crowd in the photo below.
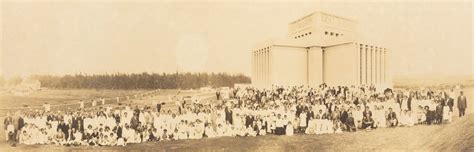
(303, 124)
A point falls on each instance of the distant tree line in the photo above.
(142, 81)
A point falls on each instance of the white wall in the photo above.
(341, 65)
(317, 24)
(288, 66)
(344, 28)
(315, 66)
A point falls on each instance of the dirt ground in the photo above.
(455, 136)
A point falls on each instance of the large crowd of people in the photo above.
(247, 112)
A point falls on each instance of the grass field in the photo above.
(455, 136)
(65, 99)
(54, 97)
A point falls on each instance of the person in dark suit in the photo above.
(64, 128)
(462, 104)
(430, 115)
(75, 122)
(118, 130)
(368, 122)
(409, 103)
(450, 103)
(249, 119)
(350, 124)
(228, 115)
(49, 118)
(134, 123)
(299, 109)
(439, 113)
(158, 107)
(344, 115)
(20, 123)
(218, 95)
(367, 112)
(392, 120)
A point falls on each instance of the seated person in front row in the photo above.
(350, 124)
(392, 120)
(367, 122)
(77, 137)
(337, 126)
(430, 115)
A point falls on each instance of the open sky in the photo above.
(106, 37)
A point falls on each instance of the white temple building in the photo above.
(321, 48)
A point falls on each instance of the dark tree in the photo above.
(142, 80)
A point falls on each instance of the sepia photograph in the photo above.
(236, 75)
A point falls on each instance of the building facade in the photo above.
(321, 48)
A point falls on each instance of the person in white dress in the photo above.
(289, 129)
(303, 125)
(447, 115)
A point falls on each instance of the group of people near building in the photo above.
(248, 112)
